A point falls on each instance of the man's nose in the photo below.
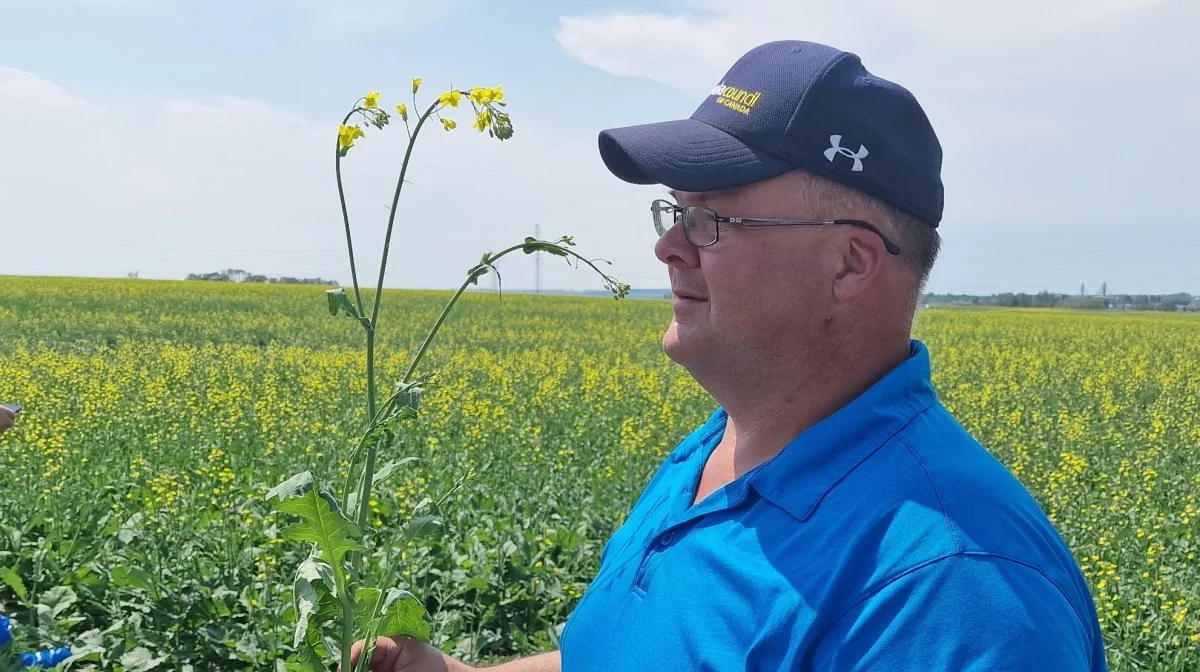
(673, 249)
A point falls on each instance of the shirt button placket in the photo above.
(661, 544)
(666, 539)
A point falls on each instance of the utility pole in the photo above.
(537, 261)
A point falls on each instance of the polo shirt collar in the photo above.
(813, 463)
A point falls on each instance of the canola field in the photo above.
(158, 414)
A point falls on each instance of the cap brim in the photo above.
(684, 154)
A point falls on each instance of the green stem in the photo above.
(370, 375)
(347, 616)
(368, 478)
(337, 163)
(387, 238)
(347, 638)
(369, 466)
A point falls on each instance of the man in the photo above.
(830, 514)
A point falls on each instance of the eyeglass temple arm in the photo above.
(892, 248)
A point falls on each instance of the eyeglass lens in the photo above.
(699, 223)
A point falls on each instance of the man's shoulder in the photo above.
(933, 492)
(985, 506)
(962, 610)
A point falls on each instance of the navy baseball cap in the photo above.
(790, 105)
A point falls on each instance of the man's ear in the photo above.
(862, 259)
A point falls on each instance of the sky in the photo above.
(167, 137)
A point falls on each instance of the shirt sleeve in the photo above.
(961, 612)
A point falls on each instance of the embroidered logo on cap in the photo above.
(738, 100)
(835, 148)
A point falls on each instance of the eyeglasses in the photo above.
(700, 223)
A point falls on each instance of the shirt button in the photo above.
(666, 539)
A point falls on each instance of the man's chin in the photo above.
(679, 343)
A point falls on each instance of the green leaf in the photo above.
(389, 468)
(132, 577)
(314, 569)
(478, 272)
(336, 300)
(424, 526)
(313, 592)
(129, 528)
(403, 615)
(55, 601)
(534, 245)
(304, 660)
(13, 580)
(384, 471)
(140, 660)
(87, 647)
(366, 602)
(410, 394)
(323, 522)
(307, 601)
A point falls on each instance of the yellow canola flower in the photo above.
(483, 96)
(371, 100)
(449, 98)
(348, 134)
(417, 83)
(483, 120)
(402, 110)
(449, 124)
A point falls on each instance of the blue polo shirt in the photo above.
(882, 538)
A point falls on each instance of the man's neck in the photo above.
(768, 412)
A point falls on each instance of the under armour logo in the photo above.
(835, 148)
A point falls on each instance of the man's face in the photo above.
(757, 292)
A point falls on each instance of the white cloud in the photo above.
(178, 186)
(680, 51)
(690, 50)
(326, 21)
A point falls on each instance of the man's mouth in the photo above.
(688, 296)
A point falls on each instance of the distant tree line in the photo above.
(1045, 299)
(238, 275)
